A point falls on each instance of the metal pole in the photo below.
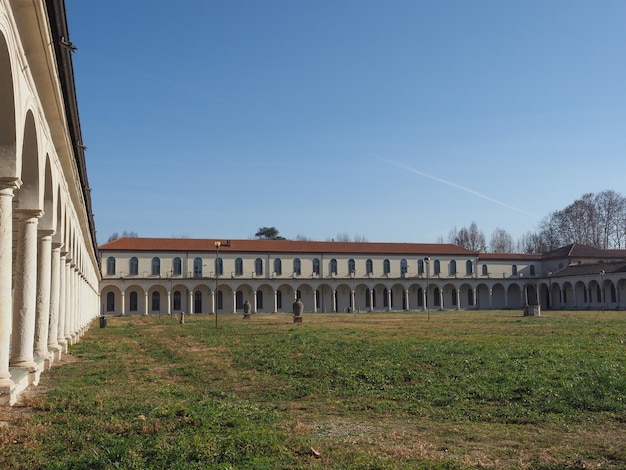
(217, 276)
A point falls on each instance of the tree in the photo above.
(501, 241)
(125, 234)
(470, 238)
(268, 233)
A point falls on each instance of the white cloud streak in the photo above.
(462, 188)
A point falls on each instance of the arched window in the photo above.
(385, 297)
(238, 267)
(454, 297)
(156, 266)
(404, 267)
(316, 266)
(177, 266)
(369, 266)
(258, 267)
(437, 267)
(452, 267)
(386, 268)
(177, 297)
(219, 266)
(484, 270)
(420, 297)
(279, 299)
(317, 299)
(220, 300)
(351, 266)
(156, 301)
(278, 266)
(469, 267)
(110, 265)
(333, 266)
(197, 302)
(514, 270)
(420, 266)
(133, 266)
(599, 293)
(297, 266)
(132, 302)
(239, 300)
(110, 302)
(436, 300)
(259, 299)
(367, 298)
(197, 267)
(532, 269)
(470, 297)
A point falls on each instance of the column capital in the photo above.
(25, 214)
(43, 233)
(10, 183)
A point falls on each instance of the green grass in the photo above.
(366, 391)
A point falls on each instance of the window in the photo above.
(238, 267)
(176, 300)
(484, 268)
(369, 266)
(197, 302)
(297, 266)
(197, 267)
(132, 302)
(156, 301)
(532, 269)
(454, 297)
(404, 267)
(420, 297)
(177, 267)
(420, 266)
(385, 297)
(316, 266)
(219, 266)
(156, 266)
(278, 266)
(220, 300)
(351, 266)
(470, 297)
(110, 265)
(437, 297)
(279, 299)
(258, 267)
(469, 267)
(239, 300)
(437, 267)
(110, 302)
(317, 299)
(599, 293)
(386, 268)
(259, 299)
(452, 267)
(367, 298)
(133, 266)
(333, 266)
(514, 270)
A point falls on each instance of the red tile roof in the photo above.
(283, 246)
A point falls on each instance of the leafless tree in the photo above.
(471, 238)
(501, 241)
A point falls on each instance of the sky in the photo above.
(393, 121)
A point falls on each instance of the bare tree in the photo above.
(471, 238)
(501, 241)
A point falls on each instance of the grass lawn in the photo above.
(342, 391)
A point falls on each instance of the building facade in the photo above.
(49, 272)
(150, 276)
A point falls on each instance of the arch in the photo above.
(8, 138)
(30, 192)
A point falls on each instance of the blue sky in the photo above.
(392, 120)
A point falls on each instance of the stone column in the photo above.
(191, 301)
(406, 299)
(169, 302)
(424, 299)
(123, 301)
(441, 299)
(275, 301)
(25, 291)
(55, 285)
(62, 304)
(458, 299)
(506, 298)
(44, 277)
(146, 306)
(353, 300)
(315, 301)
(213, 301)
(371, 294)
(6, 275)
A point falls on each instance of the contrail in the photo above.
(462, 188)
